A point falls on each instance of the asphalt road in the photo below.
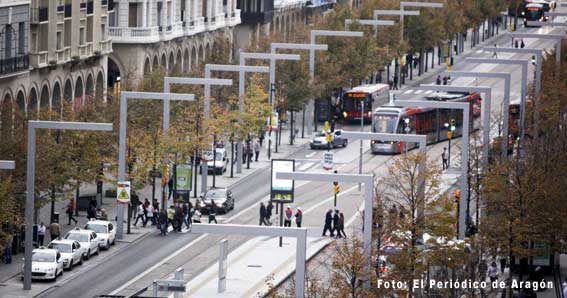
(118, 269)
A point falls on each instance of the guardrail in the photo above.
(38, 59)
(14, 64)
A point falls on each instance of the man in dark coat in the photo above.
(263, 213)
(269, 209)
(328, 220)
(335, 223)
(178, 217)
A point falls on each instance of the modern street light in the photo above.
(374, 23)
(465, 107)
(299, 46)
(524, 82)
(207, 83)
(242, 70)
(506, 102)
(314, 34)
(124, 97)
(30, 179)
(273, 58)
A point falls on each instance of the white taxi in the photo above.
(70, 250)
(87, 239)
(104, 230)
(46, 264)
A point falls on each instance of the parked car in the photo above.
(319, 141)
(224, 200)
(87, 239)
(104, 230)
(70, 251)
(220, 165)
(47, 264)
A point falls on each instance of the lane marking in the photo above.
(408, 91)
(305, 166)
(310, 154)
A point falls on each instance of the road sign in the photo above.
(328, 161)
(282, 189)
(183, 174)
(154, 174)
(123, 192)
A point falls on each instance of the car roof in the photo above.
(80, 231)
(64, 241)
(48, 250)
(98, 222)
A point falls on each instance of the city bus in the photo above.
(351, 101)
(423, 121)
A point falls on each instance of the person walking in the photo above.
(335, 228)
(140, 210)
(70, 211)
(196, 216)
(269, 209)
(263, 213)
(213, 212)
(171, 217)
(341, 232)
(8, 250)
(150, 215)
(438, 80)
(395, 85)
(54, 230)
(522, 44)
(179, 217)
(40, 234)
(493, 272)
(186, 215)
(495, 54)
(328, 220)
(287, 216)
(257, 148)
(261, 137)
(298, 217)
(162, 222)
(564, 291)
(444, 157)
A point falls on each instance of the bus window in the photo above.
(385, 123)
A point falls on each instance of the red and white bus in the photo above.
(352, 100)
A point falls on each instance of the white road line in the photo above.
(305, 166)
(310, 154)
(418, 91)
(428, 91)
(409, 91)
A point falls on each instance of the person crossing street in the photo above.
(328, 221)
(287, 216)
(298, 217)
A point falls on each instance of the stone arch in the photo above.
(44, 97)
(68, 91)
(179, 62)
(155, 64)
(7, 115)
(208, 50)
(89, 88)
(202, 52)
(79, 93)
(186, 61)
(163, 61)
(33, 106)
(99, 89)
(147, 66)
(20, 106)
(115, 69)
(170, 63)
(194, 58)
(56, 104)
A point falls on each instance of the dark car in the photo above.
(224, 200)
(320, 142)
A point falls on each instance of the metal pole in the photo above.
(121, 162)
(241, 96)
(463, 214)
(223, 254)
(301, 247)
(506, 116)
(486, 128)
(30, 187)
(178, 275)
(361, 130)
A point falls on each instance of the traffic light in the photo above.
(337, 188)
(165, 175)
(453, 125)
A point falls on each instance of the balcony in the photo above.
(134, 35)
(234, 18)
(105, 46)
(257, 17)
(86, 50)
(39, 15)
(38, 59)
(63, 55)
(14, 65)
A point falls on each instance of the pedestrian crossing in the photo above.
(418, 91)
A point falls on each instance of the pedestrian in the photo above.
(162, 222)
(335, 228)
(516, 44)
(171, 216)
(261, 138)
(495, 55)
(298, 217)
(391, 84)
(146, 205)
(249, 150)
(40, 234)
(263, 214)
(8, 250)
(564, 289)
(341, 231)
(54, 230)
(444, 157)
(70, 211)
(244, 152)
(502, 264)
(328, 220)
(155, 204)
(196, 216)
(257, 149)
(178, 217)
(395, 86)
(449, 80)
(140, 212)
(493, 272)
(186, 214)
(438, 80)
(522, 44)
(287, 216)
(213, 212)
(150, 215)
(269, 209)
(445, 80)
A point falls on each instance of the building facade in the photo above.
(172, 34)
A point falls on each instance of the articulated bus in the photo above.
(431, 122)
(351, 101)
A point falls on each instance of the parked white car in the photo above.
(104, 230)
(87, 239)
(46, 264)
(70, 250)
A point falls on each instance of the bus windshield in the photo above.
(385, 123)
(351, 101)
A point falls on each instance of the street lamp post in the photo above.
(242, 70)
(314, 34)
(299, 46)
(506, 102)
(207, 83)
(273, 58)
(374, 23)
(124, 97)
(30, 179)
(465, 107)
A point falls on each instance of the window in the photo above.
(21, 38)
(59, 40)
(8, 35)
